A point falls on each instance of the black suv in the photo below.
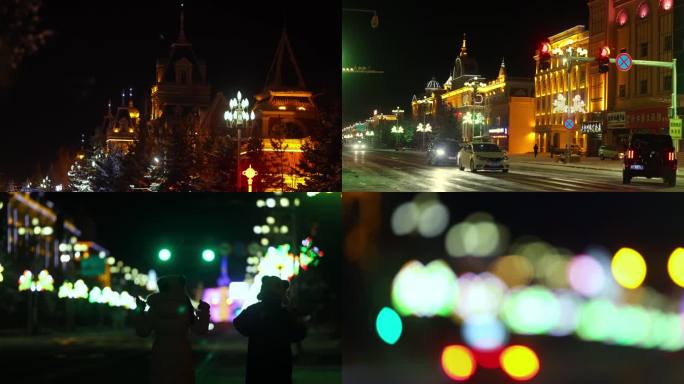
(443, 151)
(650, 155)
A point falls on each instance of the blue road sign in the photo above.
(569, 123)
(624, 62)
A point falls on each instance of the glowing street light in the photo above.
(164, 255)
(475, 85)
(427, 128)
(208, 255)
(398, 131)
(237, 116)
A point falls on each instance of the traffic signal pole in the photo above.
(644, 63)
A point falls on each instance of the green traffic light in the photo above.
(164, 254)
(208, 255)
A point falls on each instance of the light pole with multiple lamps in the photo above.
(475, 84)
(398, 131)
(427, 128)
(370, 135)
(237, 116)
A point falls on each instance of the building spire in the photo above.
(502, 70)
(464, 47)
(181, 34)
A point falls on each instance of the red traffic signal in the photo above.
(604, 60)
(545, 56)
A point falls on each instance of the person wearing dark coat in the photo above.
(271, 328)
(171, 317)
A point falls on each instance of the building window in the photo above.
(643, 49)
(643, 87)
(667, 43)
(623, 90)
(643, 10)
(667, 83)
(622, 18)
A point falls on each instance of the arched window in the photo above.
(622, 18)
(643, 10)
(666, 5)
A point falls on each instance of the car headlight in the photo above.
(440, 152)
(356, 146)
(363, 146)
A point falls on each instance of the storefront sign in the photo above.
(592, 127)
(616, 120)
(498, 131)
(676, 128)
(652, 118)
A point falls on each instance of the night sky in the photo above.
(417, 40)
(100, 47)
(134, 227)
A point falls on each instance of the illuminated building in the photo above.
(470, 108)
(180, 95)
(377, 126)
(285, 111)
(638, 99)
(551, 90)
(122, 128)
(35, 231)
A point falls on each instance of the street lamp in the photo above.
(475, 84)
(164, 255)
(398, 131)
(427, 128)
(237, 116)
(208, 255)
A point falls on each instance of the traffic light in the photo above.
(208, 255)
(164, 254)
(604, 60)
(545, 56)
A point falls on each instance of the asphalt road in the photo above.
(407, 171)
(122, 358)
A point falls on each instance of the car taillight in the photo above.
(670, 156)
(630, 154)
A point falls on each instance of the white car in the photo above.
(482, 157)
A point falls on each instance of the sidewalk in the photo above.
(592, 163)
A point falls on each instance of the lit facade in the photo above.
(551, 90)
(637, 100)
(287, 112)
(181, 92)
(34, 232)
(121, 129)
(500, 110)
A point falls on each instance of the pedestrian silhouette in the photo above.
(536, 150)
(171, 316)
(271, 328)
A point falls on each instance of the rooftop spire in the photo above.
(274, 79)
(502, 70)
(464, 48)
(181, 34)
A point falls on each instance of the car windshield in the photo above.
(651, 141)
(486, 148)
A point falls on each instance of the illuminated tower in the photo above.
(180, 89)
(121, 128)
(285, 108)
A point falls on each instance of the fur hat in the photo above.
(271, 285)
